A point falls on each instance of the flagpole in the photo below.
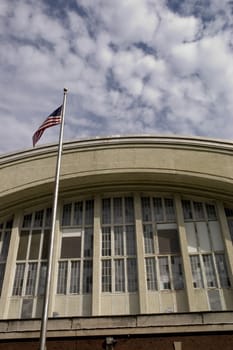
(44, 320)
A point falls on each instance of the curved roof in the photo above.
(196, 165)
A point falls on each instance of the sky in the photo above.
(131, 67)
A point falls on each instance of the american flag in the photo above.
(53, 119)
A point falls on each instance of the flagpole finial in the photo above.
(65, 90)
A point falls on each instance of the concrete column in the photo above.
(10, 264)
(226, 238)
(188, 282)
(96, 287)
(142, 289)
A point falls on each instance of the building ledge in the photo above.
(198, 322)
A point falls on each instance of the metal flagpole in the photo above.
(44, 320)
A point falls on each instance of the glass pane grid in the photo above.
(118, 243)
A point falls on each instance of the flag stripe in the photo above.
(52, 120)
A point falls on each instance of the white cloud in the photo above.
(131, 66)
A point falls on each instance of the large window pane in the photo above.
(222, 270)
(23, 245)
(129, 210)
(106, 241)
(35, 244)
(89, 212)
(117, 211)
(87, 276)
(198, 210)
(119, 275)
(27, 220)
(78, 213)
(106, 211)
(38, 221)
(71, 247)
(118, 240)
(42, 278)
(66, 218)
(168, 242)
(165, 282)
(151, 274)
(31, 279)
(130, 240)
(106, 276)
(132, 275)
(88, 242)
(211, 212)
(169, 209)
(187, 210)
(19, 277)
(209, 271)
(146, 209)
(62, 277)
(196, 271)
(148, 239)
(5, 240)
(158, 209)
(177, 273)
(75, 277)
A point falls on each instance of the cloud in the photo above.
(135, 66)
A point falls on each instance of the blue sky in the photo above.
(130, 66)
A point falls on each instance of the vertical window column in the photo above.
(75, 266)
(11, 258)
(226, 223)
(206, 250)
(119, 269)
(31, 260)
(161, 244)
(185, 255)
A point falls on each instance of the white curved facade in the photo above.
(143, 227)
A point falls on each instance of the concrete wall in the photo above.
(202, 165)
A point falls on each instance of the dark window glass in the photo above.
(106, 211)
(48, 217)
(9, 224)
(35, 244)
(229, 212)
(117, 211)
(71, 247)
(23, 244)
(38, 221)
(27, 220)
(198, 210)
(129, 210)
(158, 209)
(89, 212)
(66, 218)
(168, 242)
(146, 209)
(211, 212)
(45, 246)
(78, 213)
(187, 211)
(27, 308)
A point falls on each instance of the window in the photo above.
(206, 249)
(5, 233)
(31, 264)
(119, 269)
(196, 271)
(75, 263)
(229, 215)
(161, 244)
(151, 273)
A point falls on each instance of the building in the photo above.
(143, 254)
